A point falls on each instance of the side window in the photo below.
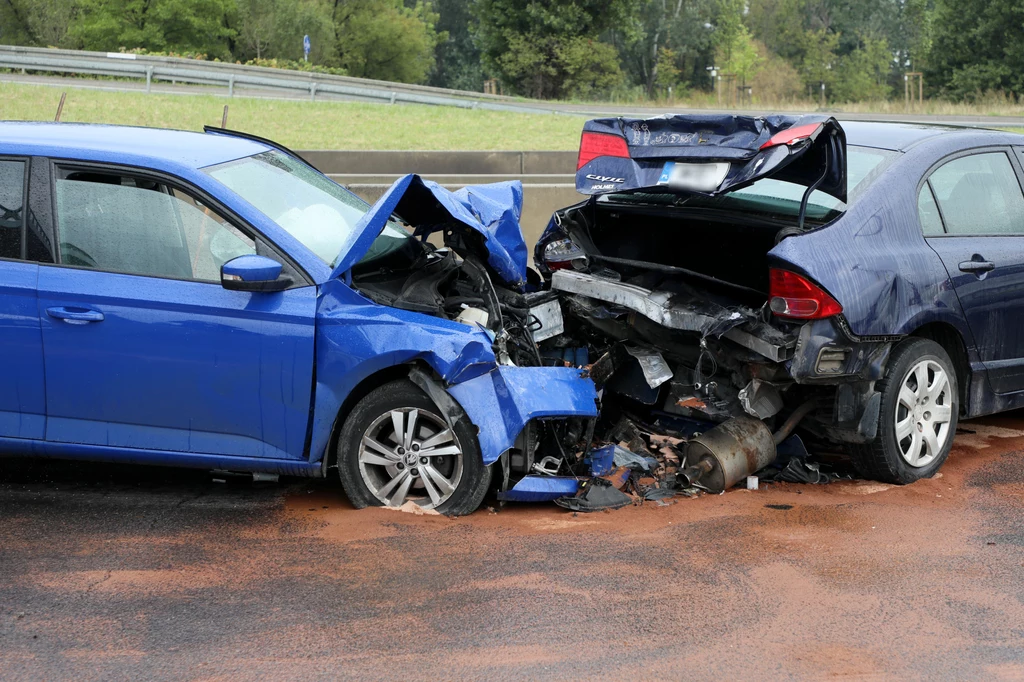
(931, 221)
(119, 223)
(979, 195)
(12, 208)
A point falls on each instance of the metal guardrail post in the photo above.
(231, 86)
(149, 78)
(312, 92)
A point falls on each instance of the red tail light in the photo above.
(791, 295)
(593, 145)
(793, 135)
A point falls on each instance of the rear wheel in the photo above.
(918, 415)
(396, 447)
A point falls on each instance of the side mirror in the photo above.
(253, 273)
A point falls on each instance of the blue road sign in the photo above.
(305, 47)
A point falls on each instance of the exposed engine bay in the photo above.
(699, 382)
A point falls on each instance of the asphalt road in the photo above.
(133, 573)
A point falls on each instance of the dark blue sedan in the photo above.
(862, 284)
(210, 300)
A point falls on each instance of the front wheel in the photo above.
(918, 415)
(396, 447)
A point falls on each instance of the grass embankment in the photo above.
(303, 125)
(354, 125)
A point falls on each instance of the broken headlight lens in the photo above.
(563, 253)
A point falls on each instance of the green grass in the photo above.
(304, 125)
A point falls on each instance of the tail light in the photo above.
(793, 135)
(791, 295)
(560, 254)
(593, 145)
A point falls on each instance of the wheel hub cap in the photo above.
(924, 412)
(410, 454)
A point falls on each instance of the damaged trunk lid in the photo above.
(711, 154)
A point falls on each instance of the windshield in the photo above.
(312, 208)
(777, 197)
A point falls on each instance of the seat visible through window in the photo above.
(138, 226)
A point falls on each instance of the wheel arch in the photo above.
(368, 383)
(952, 341)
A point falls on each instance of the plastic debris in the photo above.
(621, 457)
(595, 495)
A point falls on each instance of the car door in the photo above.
(972, 213)
(22, 392)
(144, 348)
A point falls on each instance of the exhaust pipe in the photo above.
(722, 457)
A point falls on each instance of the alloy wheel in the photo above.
(924, 411)
(410, 454)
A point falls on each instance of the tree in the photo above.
(385, 39)
(864, 72)
(274, 29)
(740, 56)
(457, 59)
(976, 47)
(551, 49)
(37, 22)
(183, 26)
(667, 42)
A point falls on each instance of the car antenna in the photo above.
(224, 118)
(60, 107)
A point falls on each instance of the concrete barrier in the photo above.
(548, 177)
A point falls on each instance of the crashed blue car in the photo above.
(210, 300)
(860, 285)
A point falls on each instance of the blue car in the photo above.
(862, 284)
(210, 300)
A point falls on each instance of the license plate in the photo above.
(697, 177)
(546, 320)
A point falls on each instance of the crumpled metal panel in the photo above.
(501, 402)
(705, 317)
(713, 137)
(356, 338)
(540, 489)
(492, 210)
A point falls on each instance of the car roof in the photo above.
(160, 147)
(903, 136)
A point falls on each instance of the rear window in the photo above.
(776, 197)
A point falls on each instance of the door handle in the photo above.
(977, 266)
(73, 315)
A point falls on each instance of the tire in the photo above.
(378, 466)
(902, 453)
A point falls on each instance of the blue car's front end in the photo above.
(460, 320)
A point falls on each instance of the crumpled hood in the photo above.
(624, 154)
(491, 210)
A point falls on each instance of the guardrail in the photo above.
(232, 76)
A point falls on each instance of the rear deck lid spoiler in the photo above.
(710, 154)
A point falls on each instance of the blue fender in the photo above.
(357, 338)
(501, 402)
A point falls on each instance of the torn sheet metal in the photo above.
(540, 489)
(501, 402)
(718, 152)
(546, 320)
(655, 369)
(491, 210)
(356, 339)
(760, 399)
(674, 312)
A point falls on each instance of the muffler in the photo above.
(722, 457)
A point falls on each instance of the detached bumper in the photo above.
(501, 402)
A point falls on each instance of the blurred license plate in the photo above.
(698, 177)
